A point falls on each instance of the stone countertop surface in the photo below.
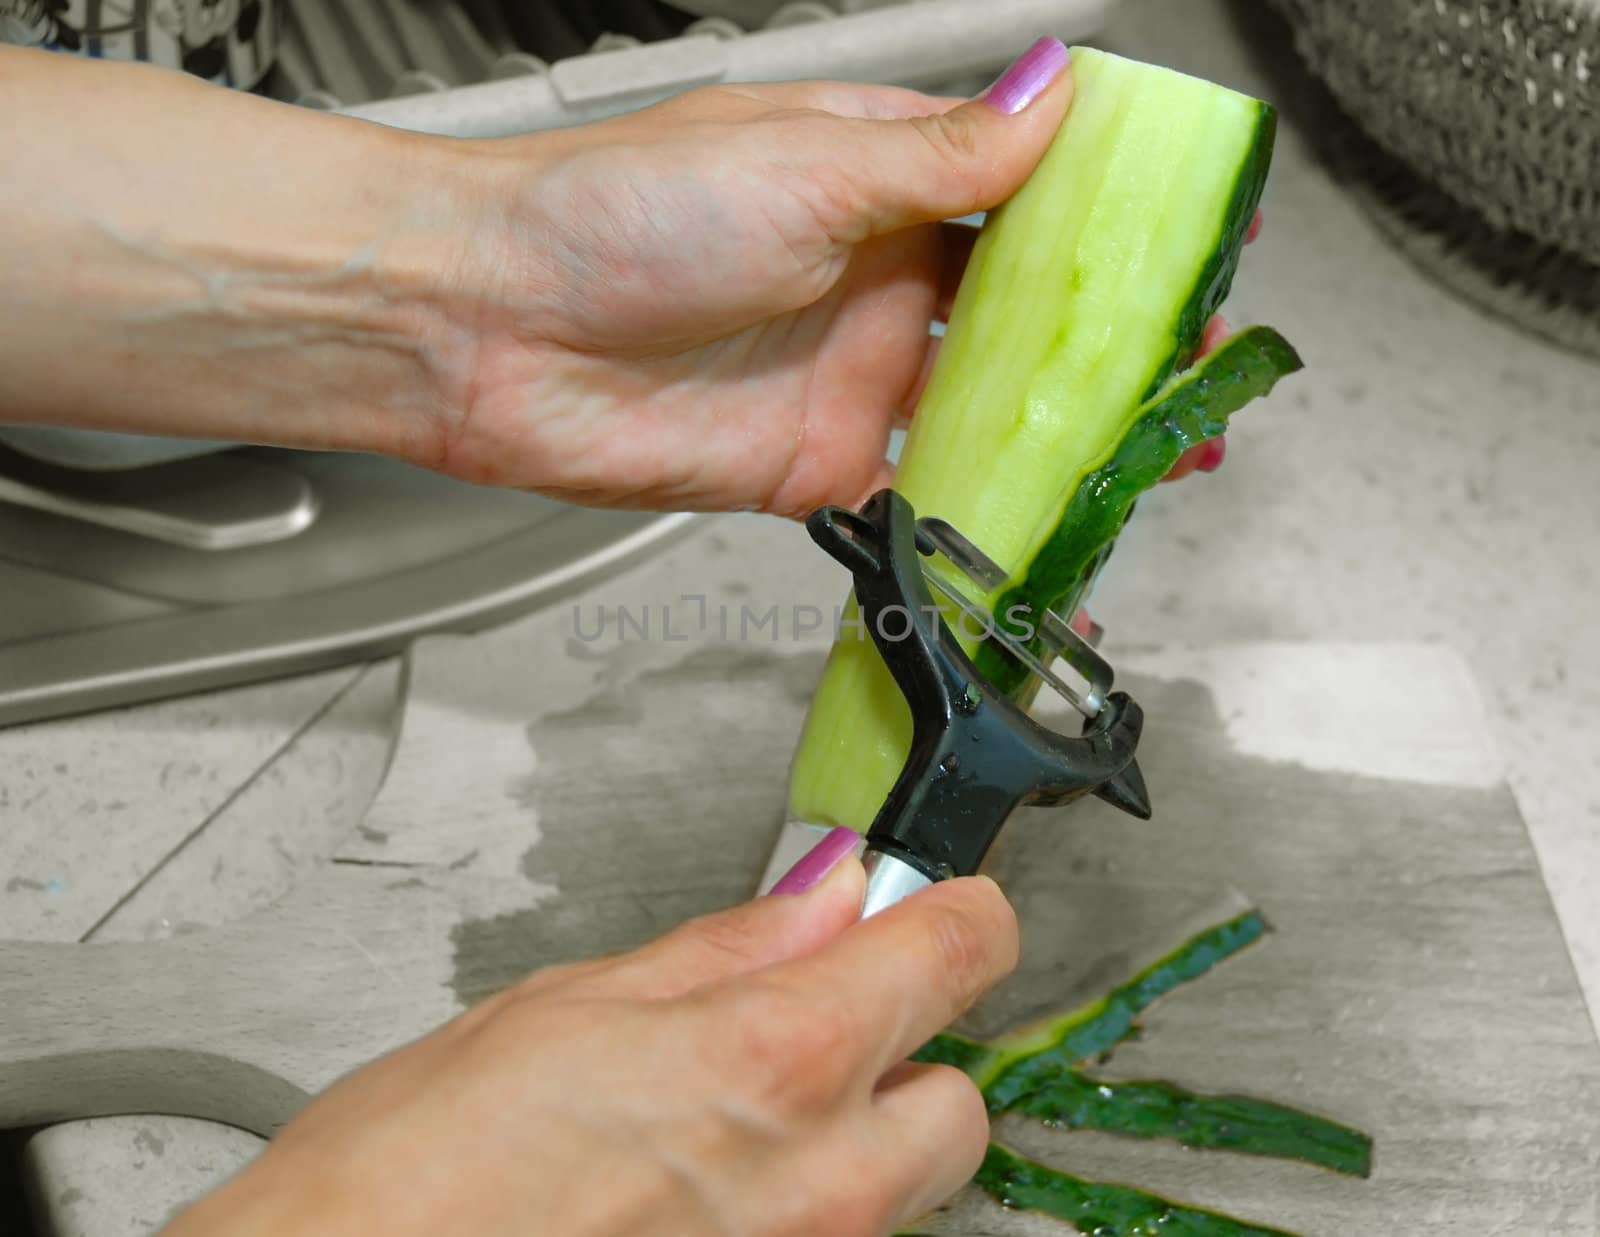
(1430, 477)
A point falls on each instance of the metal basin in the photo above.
(93, 615)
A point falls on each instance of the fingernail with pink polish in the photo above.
(818, 861)
(1029, 76)
(1215, 451)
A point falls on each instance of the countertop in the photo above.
(1430, 477)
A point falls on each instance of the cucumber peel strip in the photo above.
(1017, 1064)
(1163, 1111)
(1193, 407)
(1033, 1071)
(1099, 1207)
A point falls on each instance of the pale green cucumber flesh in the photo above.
(1086, 292)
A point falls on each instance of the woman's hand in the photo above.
(745, 1074)
(721, 301)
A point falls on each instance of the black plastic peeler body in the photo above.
(976, 756)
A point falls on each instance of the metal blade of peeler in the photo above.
(1053, 630)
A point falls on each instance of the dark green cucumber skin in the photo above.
(1098, 1207)
(1216, 281)
(1046, 1084)
(1242, 369)
(1079, 1040)
(1122, 1006)
(1160, 1110)
(1061, 567)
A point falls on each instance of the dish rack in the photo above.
(475, 70)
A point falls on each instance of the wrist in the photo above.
(269, 1198)
(207, 263)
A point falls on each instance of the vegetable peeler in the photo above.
(976, 755)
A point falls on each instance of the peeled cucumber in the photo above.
(1062, 382)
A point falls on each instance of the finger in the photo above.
(933, 1121)
(883, 479)
(1254, 231)
(1188, 462)
(905, 974)
(956, 241)
(919, 384)
(746, 938)
(1204, 456)
(905, 1071)
(854, 100)
(1215, 335)
(923, 169)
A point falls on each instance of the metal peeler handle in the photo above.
(976, 756)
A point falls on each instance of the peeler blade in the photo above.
(1053, 632)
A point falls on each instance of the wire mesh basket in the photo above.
(1494, 101)
(1471, 131)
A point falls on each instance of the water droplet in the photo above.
(950, 764)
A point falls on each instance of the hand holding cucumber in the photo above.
(718, 302)
(722, 301)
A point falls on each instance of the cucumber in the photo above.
(1060, 386)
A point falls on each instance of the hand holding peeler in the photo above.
(976, 755)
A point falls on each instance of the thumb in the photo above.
(923, 169)
(754, 935)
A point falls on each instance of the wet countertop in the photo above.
(1429, 478)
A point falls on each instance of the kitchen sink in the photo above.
(367, 554)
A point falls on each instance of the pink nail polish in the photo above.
(818, 861)
(1028, 77)
(1216, 449)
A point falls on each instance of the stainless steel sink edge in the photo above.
(168, 656)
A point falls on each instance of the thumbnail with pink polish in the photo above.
(1028, 78)
(818, 861)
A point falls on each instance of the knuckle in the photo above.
(834, 194)
(729, 937)
(559, 975)
(958, 942)
(957, 144)
(974, 943)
